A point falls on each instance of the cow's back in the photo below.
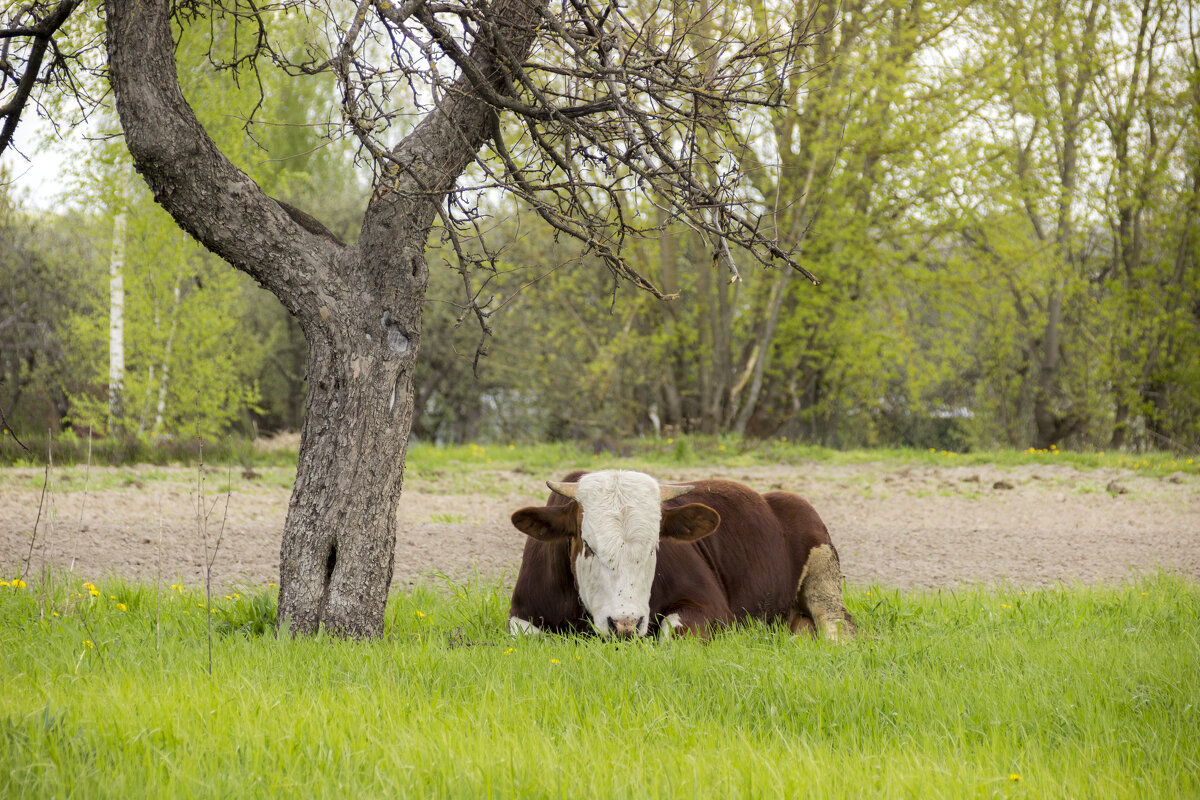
(750, 553)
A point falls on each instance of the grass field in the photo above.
(1068, 693)
(644, 453)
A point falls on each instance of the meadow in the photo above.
(1081, 691)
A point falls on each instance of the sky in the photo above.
(38, 169)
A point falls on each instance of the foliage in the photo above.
(1067, 692)
(1000, 198)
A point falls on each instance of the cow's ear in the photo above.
(546, 523)
(689, 523)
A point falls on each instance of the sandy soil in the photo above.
(900, 527)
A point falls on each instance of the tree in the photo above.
(607, 103)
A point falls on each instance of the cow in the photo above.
(617, 553)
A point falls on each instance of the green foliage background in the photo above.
(1001, 198)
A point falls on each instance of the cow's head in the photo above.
(614, 523)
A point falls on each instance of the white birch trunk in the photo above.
(116, 306)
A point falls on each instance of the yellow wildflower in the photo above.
(1012, 776)
(420, 615)
(510, 650)
(5, 583)
(555, 661)
(121, 607)
(18, 583)
(88, 643)
(54, 613)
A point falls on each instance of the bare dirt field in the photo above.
(898, 526)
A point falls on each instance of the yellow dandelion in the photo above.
(1012, 776)
(510, 650)
(512, 447)
(88, 643)
(18, 583)
(228, 597)
(187, 612)
(933, 449)
(237, 596)
(122, 607)
(722, 447)
(672, 441)
(1005, 605)
(54, 613)
(5, 583)
(421, 615)
(555, 661)
(112, 597)
(1189, 461)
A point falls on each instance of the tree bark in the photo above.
(116, 314)
(358, 305)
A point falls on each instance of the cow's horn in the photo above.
(671, 491)
(563, 488)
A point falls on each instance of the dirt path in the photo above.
(896, 526)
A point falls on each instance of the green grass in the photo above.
(1079, 692)
(553, 457)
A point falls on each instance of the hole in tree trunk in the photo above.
(329, 565)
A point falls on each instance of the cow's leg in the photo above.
(684, 622)
(522, 627)
(819, 597)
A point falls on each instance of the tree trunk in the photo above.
(116, 313)
(335, 563)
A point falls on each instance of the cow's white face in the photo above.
(615, 530)
(619, 534)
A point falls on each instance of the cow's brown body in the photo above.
(770, 558)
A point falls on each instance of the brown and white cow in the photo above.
(617, 552)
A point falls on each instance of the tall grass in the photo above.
(553, 457)
(1074, 692)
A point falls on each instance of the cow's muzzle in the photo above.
(625, 627)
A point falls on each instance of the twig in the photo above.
(87, 474)
(8, 429)
(37, 521)
(158, 583)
